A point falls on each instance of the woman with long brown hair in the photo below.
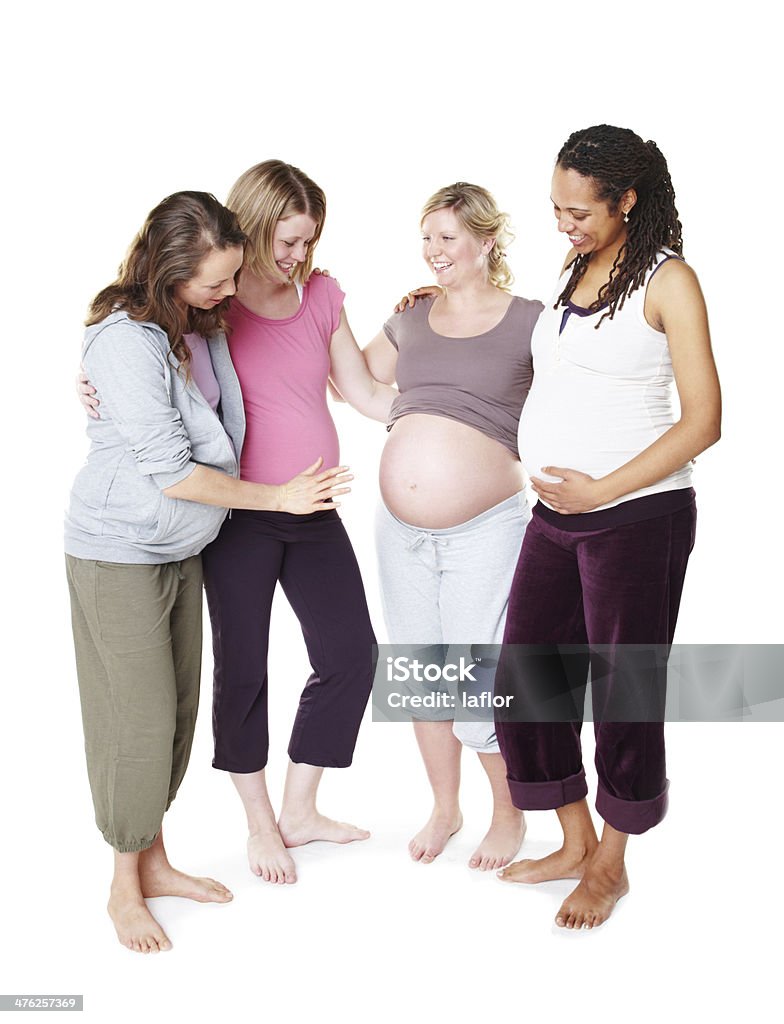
(160, 474)
(288, 335)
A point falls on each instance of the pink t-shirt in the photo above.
(283, 367)
(201, 369)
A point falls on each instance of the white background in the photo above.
(111, 107)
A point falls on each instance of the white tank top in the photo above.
(599, 397)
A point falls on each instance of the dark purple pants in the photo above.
(620, 585)
(313, 559)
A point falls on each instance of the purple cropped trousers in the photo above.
(312, 559)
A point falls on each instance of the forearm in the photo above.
(373, 400)
(351, 374)
(211, 487)
(675, 448)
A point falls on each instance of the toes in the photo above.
(475, 861)
(220, 891)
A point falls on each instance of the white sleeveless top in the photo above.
(599, 397)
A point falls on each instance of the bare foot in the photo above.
(315, 827)
(504, 838)
(136, 927)
(431, 840)
(593, 900)
(269, 859)
(568, 862)
(161, 879)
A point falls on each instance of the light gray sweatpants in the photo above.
(451, 587)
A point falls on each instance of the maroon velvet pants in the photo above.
(615, 586)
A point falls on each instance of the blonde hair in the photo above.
(263, 195)
(479, 215)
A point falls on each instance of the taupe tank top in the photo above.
(481, 381)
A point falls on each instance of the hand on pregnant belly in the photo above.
(577, 492)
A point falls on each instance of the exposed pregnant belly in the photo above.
(436, 472)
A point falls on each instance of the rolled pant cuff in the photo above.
(631, 816)
(236, 768)
(547, 796)
(319, 760)
(129, 845)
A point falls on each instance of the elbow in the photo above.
(714, 430)
(708, 437)
(703, 427)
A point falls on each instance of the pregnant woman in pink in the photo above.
(288, 335)
(453, 508)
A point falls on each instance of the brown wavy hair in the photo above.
(175, 238)
(269, 192)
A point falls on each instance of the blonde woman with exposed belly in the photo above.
(453, 508)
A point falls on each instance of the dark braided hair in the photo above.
(616, 160)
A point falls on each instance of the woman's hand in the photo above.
(322, 273)
(416, 293)
(85, 392)
(577, 492)
(310, 490)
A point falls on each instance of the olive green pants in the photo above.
(137, 634)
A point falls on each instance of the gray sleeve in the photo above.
(533, 310)
(129, 371)
(391, 327)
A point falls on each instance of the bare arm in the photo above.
(131, 374)
(353, 379)
(381, 358)
(307, 492)
(675, 302)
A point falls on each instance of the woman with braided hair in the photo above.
(604, 557)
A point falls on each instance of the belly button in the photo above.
(412, 487)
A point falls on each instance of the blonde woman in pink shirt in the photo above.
(288, 335)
